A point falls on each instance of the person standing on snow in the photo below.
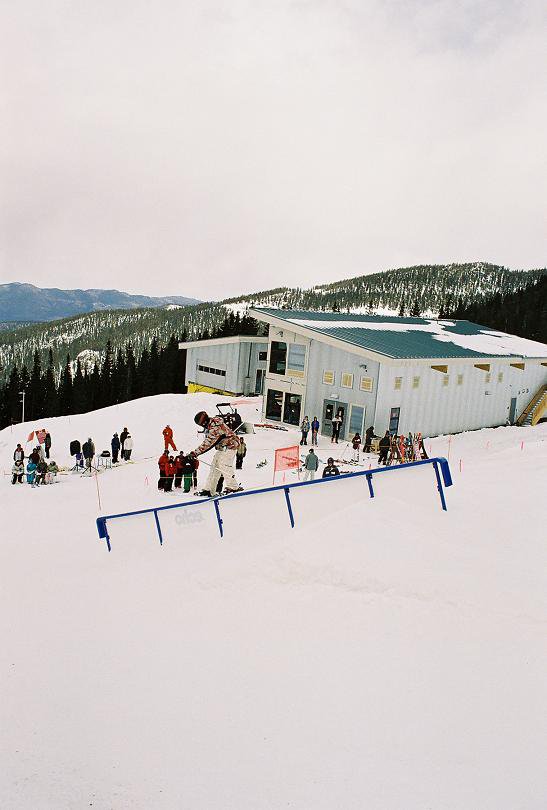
(304, 429)
(127, 447)
(168, 437)
(356, 444)
(163, 464)
(241, 452)
(225, 442)
(385, 444)
(314, 430)
(123, 435)
(115, 445)
(336, 425)
(311, 464)
(47, 444)
(88, 449)
(369, 436)
(18, 453)
(31, 472)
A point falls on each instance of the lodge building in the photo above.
(397, 374)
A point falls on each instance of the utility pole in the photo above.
(23, 401)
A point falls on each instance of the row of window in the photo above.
(346, 380)
(208, 370)
(290, 360)
(446, 379)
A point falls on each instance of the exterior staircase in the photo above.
(535, 409)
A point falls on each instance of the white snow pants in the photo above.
(222, 464)
(309, 475)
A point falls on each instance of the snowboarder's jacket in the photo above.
(184, 465)
(311, 462)
(115, 443)
(88, 449)
(168, 434)
(330, 470)
(47, 441)
(35, 456)
(356, 441)
(53, 468)
(219, 435)
(19, 453)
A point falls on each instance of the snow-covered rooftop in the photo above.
(408, 338)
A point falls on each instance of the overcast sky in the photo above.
(213, 148)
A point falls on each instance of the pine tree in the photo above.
(106, 396)
(51, 397)
(66, 389)
(36, 392)
(79, 390)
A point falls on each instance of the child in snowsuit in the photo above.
(52, 471)
(17, 472)
(311, 464)
(168, 437)
(31, 472)
(356, 443)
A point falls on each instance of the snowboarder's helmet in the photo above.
(201, 418)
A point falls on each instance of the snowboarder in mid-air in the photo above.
(225, 442)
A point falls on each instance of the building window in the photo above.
(488, 378)
(398, 383)
(366, 384)
(415, 382)
(459, 381)
(262, 356)
(208, 370)
(347, 380)
(297, 359)
(291, 411)
(274, 404)
(500, 377)
(445, 380)
(278, 357)
(328, 378)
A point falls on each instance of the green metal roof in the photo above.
(424, 338)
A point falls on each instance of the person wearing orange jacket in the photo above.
(163, 464)
(171, 470)
(168, 437)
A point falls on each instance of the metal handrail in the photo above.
(440, 466)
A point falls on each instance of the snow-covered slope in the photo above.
(383, 654)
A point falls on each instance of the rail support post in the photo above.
(289, 506)
(369, 482)
(219, 519)
(439, 486)
(158, 527)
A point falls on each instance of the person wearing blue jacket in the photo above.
(31, 472)
(314, 430)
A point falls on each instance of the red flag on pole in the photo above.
(30, 437)
(41, 435)
(287, 458)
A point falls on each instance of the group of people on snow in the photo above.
(311, 465)
(121, 446)
(40, 469)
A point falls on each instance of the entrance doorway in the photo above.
(259, 383)
(394, 415)
(512, 410)
(331, 408)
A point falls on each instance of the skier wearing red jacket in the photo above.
(168, 437)
(163, 464)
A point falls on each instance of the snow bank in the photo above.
(383, 654)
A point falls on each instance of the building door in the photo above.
(513, 410)
(259, 384)
(291, 409)
(394, 415)
(356, 419)
(332, 407)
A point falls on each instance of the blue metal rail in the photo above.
(440, 466)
